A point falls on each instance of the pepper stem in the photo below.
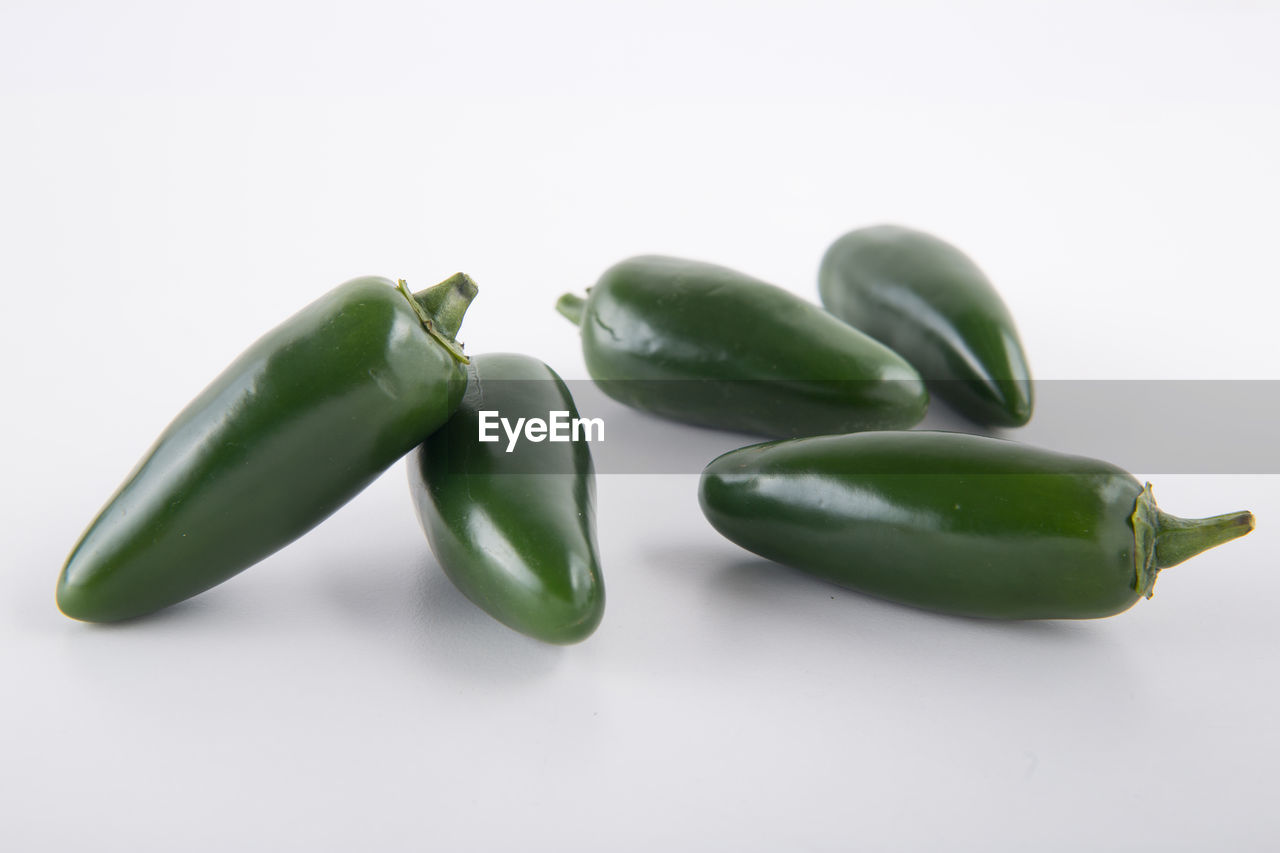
(1179, 539)
(571, 306)
(442, 307)
(447, 302)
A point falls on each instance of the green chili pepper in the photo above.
(295, 427)
(956, 523)
(929, 302)
(706, 345)
(513, 525)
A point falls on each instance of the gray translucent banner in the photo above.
(1144, 426)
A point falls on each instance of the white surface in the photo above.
(175, 179)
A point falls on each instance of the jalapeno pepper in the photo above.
(956, 523)
(302, 421)
(930, 303)
(706, 345)
(513, 525)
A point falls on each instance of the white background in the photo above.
(177, 178)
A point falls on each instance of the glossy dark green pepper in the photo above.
(927, 301)
(706, 345)
(513, 525)
(294, 428)
(956, 523)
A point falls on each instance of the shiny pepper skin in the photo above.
(707, 345)
(301, 422)
(955, 523)
(514, 530)
(932, 305)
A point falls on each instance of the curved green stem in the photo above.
(1162, 540)
(442, 307)
(1179, 539)
(571, 306)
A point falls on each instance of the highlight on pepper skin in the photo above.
(930, 303)
(710, 346)
(958, 524)
(236, 476)
(514, 527)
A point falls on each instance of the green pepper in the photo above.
(956, 523)
(302, 421)
(929, 302)
(706, 345)
(513, 525)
